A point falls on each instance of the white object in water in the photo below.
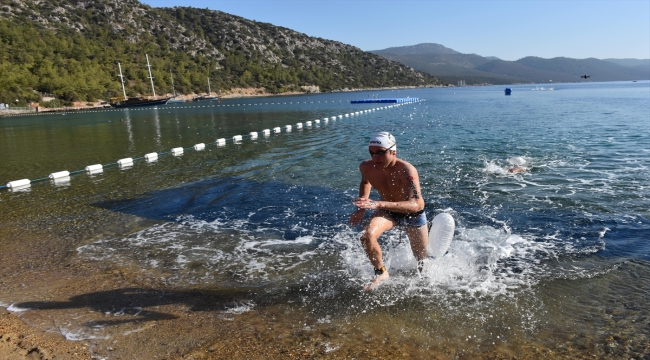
(299, 126)
(266, 132)
(517, 160)
(340, 116)
(126, 162)
(276, 130)
(253, 135)
(177, 151)
(347, 115)
(151, 157)
(221, 142)
(94, 169)
(23, 183)
(333, 118)
(60, 174)
(237, 138)
(308, 123)
(317, 121)
(288, 128)
(441, 234)
(199, 146)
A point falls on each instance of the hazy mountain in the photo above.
(452, 66)
(427, 48)
(630, 62)
(71, 48)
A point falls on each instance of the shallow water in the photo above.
(554, 261)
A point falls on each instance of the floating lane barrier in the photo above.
(388, 100)
(396, 101)
(95, 169)
(19, 184)
(151, 157)
(63, 178)
(124, 163)
(58, 175)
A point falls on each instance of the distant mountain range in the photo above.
(452, 66)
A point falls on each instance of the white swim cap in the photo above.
(383, 139)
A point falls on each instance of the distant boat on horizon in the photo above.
(176, 99)
(208, 97)
(137, 101)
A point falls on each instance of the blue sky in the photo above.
(509, 30)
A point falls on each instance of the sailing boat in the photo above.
(174, 99)
(137, 101)
(206, 97)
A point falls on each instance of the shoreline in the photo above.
(238, 93)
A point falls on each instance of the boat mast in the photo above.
(151, 77)
(122, 79)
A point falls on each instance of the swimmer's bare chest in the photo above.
(391, 186)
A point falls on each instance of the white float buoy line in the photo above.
(151, 157)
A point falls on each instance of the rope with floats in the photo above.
(65, 176)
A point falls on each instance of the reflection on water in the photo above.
(553, 260)
(156, 119)
(129, 131)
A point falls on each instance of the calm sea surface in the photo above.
(551, 262)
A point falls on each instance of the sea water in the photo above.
(556, 257)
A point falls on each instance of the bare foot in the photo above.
(376, 281)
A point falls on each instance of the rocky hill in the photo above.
(452, 66)
(71, 49)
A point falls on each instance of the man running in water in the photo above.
(401, 204)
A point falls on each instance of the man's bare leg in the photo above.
(419, 240)
(371, 232)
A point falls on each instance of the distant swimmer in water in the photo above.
(517, 163)
(401, 204)
(585, 76)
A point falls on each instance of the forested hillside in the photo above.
(71, 49)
